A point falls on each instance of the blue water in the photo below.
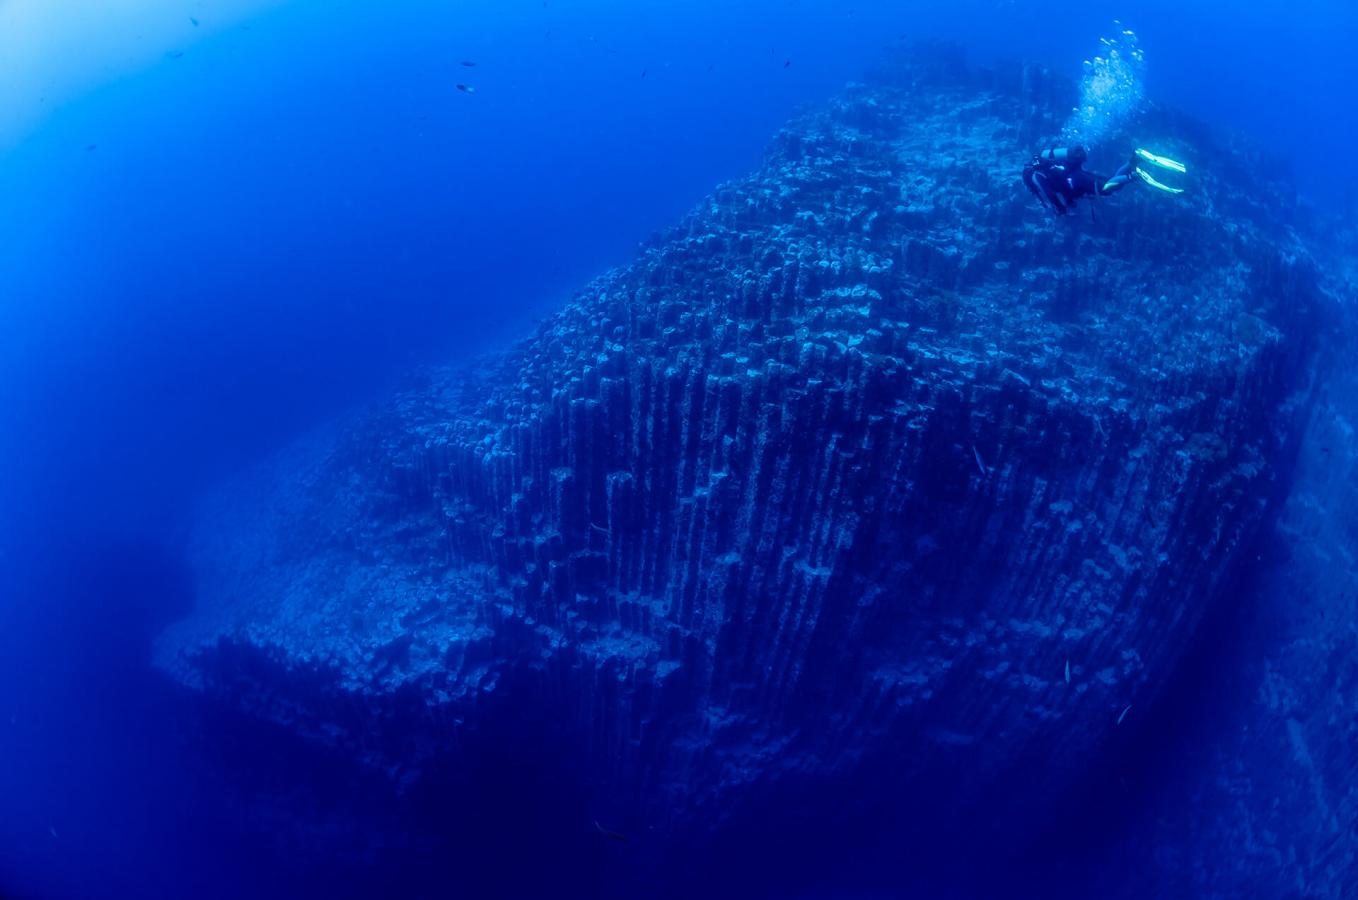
(268, 219)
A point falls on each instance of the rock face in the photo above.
(866, 485)
(1248, 784)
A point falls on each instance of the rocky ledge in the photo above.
(868, 491)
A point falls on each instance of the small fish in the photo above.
(611, 835)
(787, 64)
(643, 72)
(466, 89)
(91, 147)
(469, 63)
(1067, 671)
(175, 54)
(53, 831)
(980, 464)
(194, 21)
(1124, 713)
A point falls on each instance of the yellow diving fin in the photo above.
(1146, 177)
(1162, 162)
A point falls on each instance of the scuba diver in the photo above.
(1057, 176)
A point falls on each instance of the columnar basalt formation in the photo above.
(866, 466)
(1249, 782)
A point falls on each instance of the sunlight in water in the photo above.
(54, 50)
(1111, 90)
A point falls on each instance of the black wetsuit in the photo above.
(1058, 178)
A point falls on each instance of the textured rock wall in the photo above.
(1245, 783)
(865, 466)
(1279, 814)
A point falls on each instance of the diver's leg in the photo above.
(1124, 176)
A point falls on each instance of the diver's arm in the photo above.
(1050, 198)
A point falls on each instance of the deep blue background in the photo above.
(201, 260)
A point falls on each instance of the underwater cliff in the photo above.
(868, 509)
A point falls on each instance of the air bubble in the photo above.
(1110, 91)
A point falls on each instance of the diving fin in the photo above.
(1145, 176)
(1163, 162)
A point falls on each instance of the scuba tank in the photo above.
(1064, 156)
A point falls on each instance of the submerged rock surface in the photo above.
(866, 493)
